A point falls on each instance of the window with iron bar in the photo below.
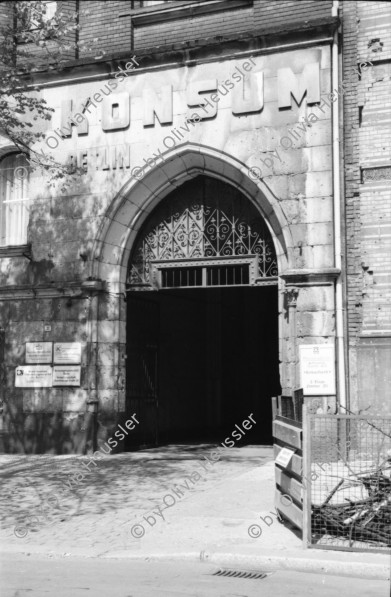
(203, 273)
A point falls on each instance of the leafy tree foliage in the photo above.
(31, 41)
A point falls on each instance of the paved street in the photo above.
(86, 543)
(34, 576)
(98, 514)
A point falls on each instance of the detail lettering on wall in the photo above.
(247, 97)
(39, 352)
(101, 158)
(33, 376)
(317, 369)
(64, 375)
(296, 86)
(67, 353)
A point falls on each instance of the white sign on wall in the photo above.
(33, 376)
(66, 376)
(67, 353)
(284, 457)
(39, 352)
(317, 369)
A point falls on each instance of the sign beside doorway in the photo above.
(66, 376)
(39, 352)
(33, 376)
(284, 457)
(317, 369)
(68, 353)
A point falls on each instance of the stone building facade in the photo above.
(200, 115)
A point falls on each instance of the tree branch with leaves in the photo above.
(34, 41)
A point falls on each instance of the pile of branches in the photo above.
(366, 520)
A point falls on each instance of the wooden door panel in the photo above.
(142, 368)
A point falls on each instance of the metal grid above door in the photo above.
(207, 220)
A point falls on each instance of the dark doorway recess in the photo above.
(200, 361)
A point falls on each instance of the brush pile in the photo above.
(364, 520)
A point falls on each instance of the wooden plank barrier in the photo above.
(295, 465)
(289, 485)
(288, 433)
(289, 510)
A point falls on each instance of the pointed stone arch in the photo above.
(138, 198)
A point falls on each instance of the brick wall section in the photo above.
(6, 17)
(374, 23)
(181, 30)
(103, 22)
(68, 8)
(375, 150)
(371, 240)
(352, 169)
(6, 14)
(367, 151)
(115, 33)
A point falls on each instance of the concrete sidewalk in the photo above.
(122, 510)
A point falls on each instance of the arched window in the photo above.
(205, 233)
(14, 211)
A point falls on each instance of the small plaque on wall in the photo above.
(66, 376)
(33, 376)
(67, 353)
(284, 457)
(317, 369)
(39, 352)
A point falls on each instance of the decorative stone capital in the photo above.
(291, 297)
(311, 277)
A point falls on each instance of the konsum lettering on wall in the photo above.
(96, 129)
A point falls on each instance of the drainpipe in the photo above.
(92, 289)
(292, 294)
(339, 323)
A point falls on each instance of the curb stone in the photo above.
(271, 563)
(301, 564)
(267, 563)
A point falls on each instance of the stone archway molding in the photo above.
(137, 199)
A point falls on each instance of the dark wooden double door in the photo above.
(199, 361)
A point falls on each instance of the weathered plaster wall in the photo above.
(88, 231)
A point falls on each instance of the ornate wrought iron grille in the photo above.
(213, 227)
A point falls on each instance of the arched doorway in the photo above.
(202, 320)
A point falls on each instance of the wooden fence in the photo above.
(288, 436)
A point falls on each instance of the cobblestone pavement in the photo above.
(98, 514)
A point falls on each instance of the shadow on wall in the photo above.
(37, 433)
(53, 432)
(42, 420)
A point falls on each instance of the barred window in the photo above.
(30, 19)
(14, 199)
(153, 2)
(148, 12)
(49, 9)
(145, 3)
